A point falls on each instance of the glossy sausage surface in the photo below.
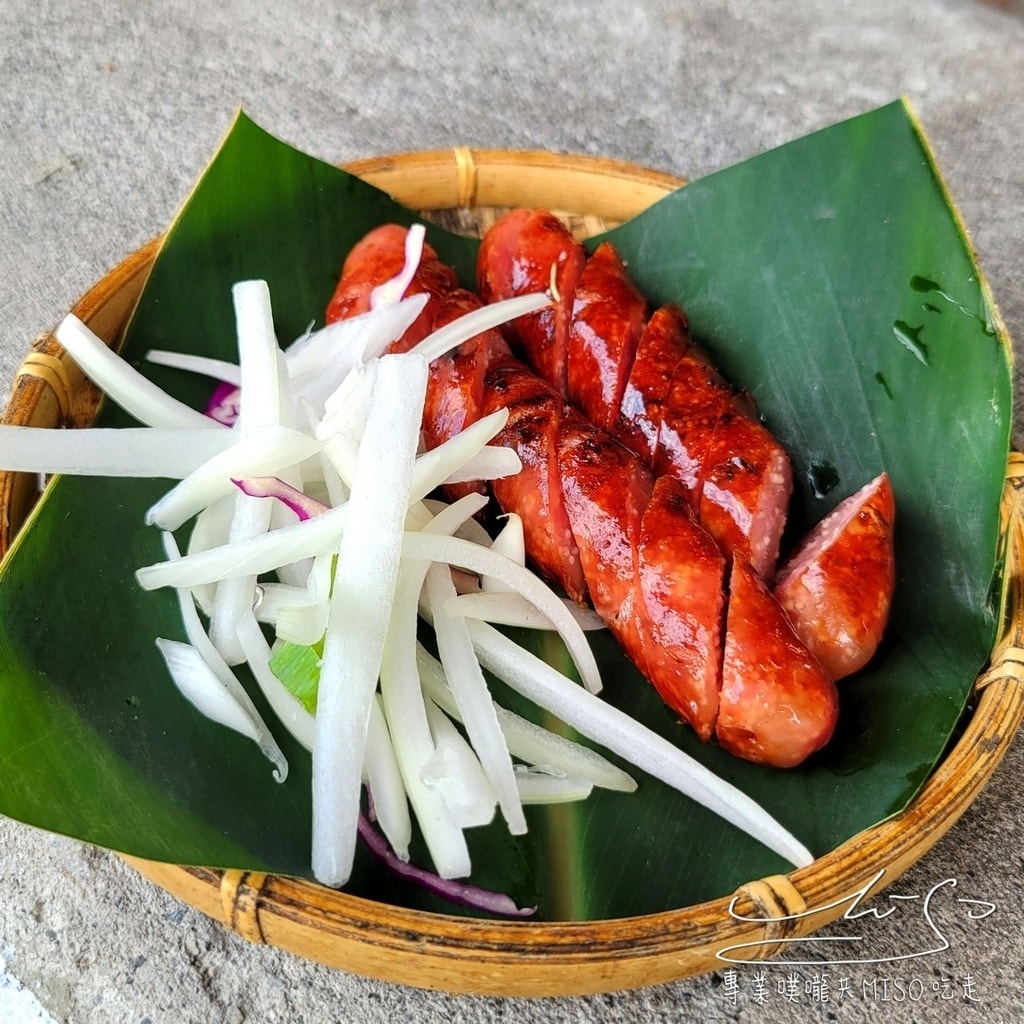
(603, 526)
(838, 585)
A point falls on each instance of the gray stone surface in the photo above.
(107, 114)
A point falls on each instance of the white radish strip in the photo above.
(406, 715)
(123, 384)
(364, 586)
(218, 369)
(288, 708)
(261, 407)
(203, 688)
(485, 561)
(236, 595)
(447, 519)
(539, 786)
(526, 740)
(345, 408)
(469, 325)
(640, 746)
(302, 623)
(511, 542)
(166, 452)
(272, 597)
(340, 454)
(210, 529)
(268, 451)
(508, 609)
(438, 464)
(511, 539)
(384, 778)
(492, 462)
(200, 640)
(258, 555)
(344, 344)
(476, 709)
(455, 772)
(344, 421)
(390, 292)
(470, 530)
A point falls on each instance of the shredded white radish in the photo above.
(384, 780)
(265, 451)
(158, 452)
(390, 292)
(123, 384)
(257, 555)
(614, 729)
(476, 709)
(436, 466)
(261, 407)
(454, 771)
(405, 710)
(492, 462)
(511, 609)
(364, 586)
(296, 719)
(469, 325)
(486, 561)
(206, 649)
(218, 369)
(527, 741)
(205, 690)
(540, 785)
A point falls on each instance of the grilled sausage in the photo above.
(606, 529)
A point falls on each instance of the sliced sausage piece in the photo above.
(378, 257)
(746, 481)
(681, 585)
(535, 415)
(837, 586)
(777, 704)
(608, 315)
(527, 251)
(663, 342)
(455, 393)
(605, 490)
(739, 475)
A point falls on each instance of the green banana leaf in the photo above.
(830, 277)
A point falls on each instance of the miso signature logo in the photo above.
(901, 912)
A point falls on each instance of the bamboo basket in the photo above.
(465, 190)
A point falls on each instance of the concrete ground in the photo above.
(108, 112)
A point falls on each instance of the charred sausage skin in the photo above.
(605, 527)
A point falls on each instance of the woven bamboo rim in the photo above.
(465, 189)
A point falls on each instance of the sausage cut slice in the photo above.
(681, 585)
(608, 316)
(535, 416)
(837, 586)
(529, 251)
(777, 704)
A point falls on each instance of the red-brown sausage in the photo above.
(684, 606)
(737, 473)
(536, 253)
(608, 316)
(838, 585)
(599, 524)
(777, 705)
